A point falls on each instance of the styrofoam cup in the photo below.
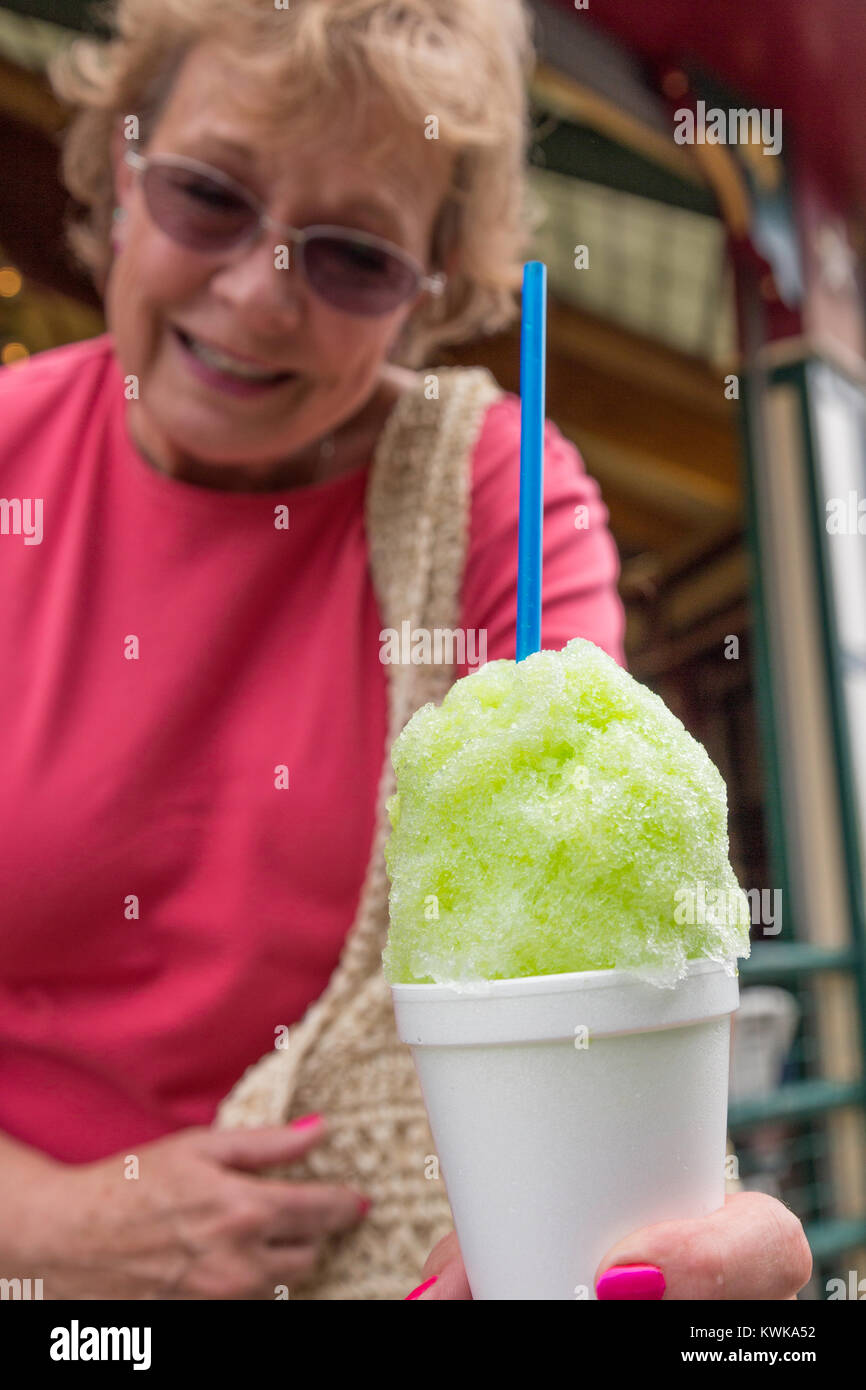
(569, 1111)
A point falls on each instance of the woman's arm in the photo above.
(580, 562)
(191, 1218)
(19, 1160)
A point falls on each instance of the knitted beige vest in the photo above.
(344, 1058)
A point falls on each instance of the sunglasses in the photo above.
(208, 211)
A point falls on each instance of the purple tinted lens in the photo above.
(195, 210)
(356, 278)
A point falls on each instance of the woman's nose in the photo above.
(265, 279)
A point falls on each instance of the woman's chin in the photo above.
(192, 429)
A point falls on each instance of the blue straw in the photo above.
(532, 357)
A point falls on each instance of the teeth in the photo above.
(224, 363)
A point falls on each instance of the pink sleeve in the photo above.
(581, 565)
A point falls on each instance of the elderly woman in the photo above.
(242, 486)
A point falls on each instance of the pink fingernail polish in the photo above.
(305, 1121)
(416, 1293)
(631, 1281)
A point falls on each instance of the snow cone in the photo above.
(565, 924)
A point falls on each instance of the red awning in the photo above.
(806, 56)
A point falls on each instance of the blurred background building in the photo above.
(707, 353)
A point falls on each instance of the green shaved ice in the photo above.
(553, 815)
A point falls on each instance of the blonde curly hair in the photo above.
(465, 61)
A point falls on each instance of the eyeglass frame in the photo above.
(433, 284)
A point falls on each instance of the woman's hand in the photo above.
(195, 1222)
(751, 1248)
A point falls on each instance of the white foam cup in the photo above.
(569, 1111)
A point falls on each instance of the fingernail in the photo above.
(631, 1281)
(366, 1204)
(416, 1293)
(305, 1121)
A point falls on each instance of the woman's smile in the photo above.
(226, 371)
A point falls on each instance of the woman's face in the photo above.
(240, 302)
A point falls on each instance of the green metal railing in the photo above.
(802, 1106)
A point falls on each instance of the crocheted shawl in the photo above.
(344, 1058)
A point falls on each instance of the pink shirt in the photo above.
(165, 906)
